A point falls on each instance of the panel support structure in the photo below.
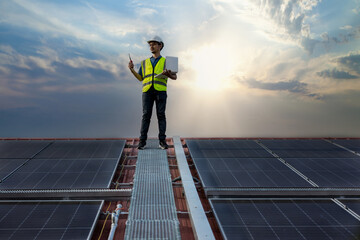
(199, 221)
(283, 192)
(66, 194)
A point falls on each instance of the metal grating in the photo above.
(152, 213)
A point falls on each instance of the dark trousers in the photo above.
(148, 99)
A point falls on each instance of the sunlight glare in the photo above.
(213, 65)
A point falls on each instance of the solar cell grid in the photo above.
(301, 144)
(285, 219)
(73, 149)
(246, 172)
(352, 144)
(48, 220)
(329, 172)
(225, 148)
(9, 165)
(62, 173)
(21, 148)
(306, 148)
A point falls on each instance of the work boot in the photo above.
(163, 145)
(142, 144)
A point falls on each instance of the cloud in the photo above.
(78, 20)
(328, 41)
(292, 22)
(352, 62)
(346, 27)
(292, 86)
(288, 15)
(146, 11)
(36, 75)
(356, 10)
(353, 33)
(336, 74)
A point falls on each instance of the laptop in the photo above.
(171, 64)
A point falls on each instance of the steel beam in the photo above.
(199, 221)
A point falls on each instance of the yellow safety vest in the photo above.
(149, 73)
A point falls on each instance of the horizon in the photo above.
(249, 69)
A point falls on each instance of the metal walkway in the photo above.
(152, 213)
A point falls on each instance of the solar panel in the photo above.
(352, 204)
(62, 174)
(9, 165)
(21, 148)
(329, 172)
(74, 149)
(48, 220)
(353, 144)
(246, 172)
(90, 167)
(284, 219)
(226, 149)
(306, 148)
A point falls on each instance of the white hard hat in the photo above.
(156, 39)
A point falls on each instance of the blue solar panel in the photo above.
(60, 171)
(285, 219)
(48, 220)
(226, 149)
(21, 148)
(306, 148)
(62, 174)
(329, 172)
(73, 149)
(246, 172)
(9, 165)
(352, 144)
(352, 204)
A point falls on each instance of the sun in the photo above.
(213, 65)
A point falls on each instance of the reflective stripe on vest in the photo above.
(149, 74)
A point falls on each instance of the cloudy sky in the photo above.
(250, 68)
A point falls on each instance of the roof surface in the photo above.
(254, 188)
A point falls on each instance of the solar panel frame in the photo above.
(48, 219)
(255, 220)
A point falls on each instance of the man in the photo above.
(154, 90)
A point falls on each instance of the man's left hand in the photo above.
(169, 74)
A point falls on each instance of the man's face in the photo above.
(154, 47)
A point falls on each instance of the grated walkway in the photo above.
(152, 213)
